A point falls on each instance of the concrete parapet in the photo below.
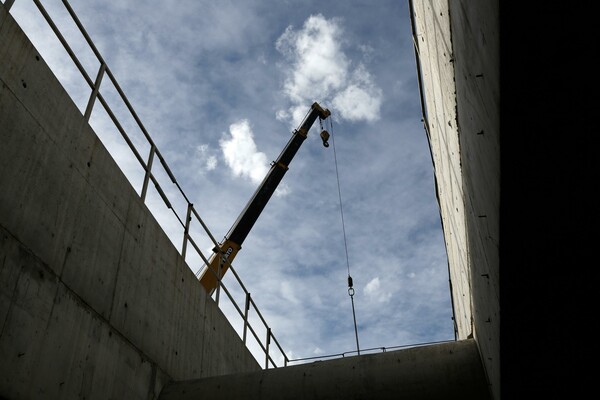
(443, 371)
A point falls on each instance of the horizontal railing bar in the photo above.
(182, 193)
(258, 312)
(254, 306)
(279, 346)
(224, 288)
(166, 167)
(94, 95)
(383, 349)
(83, 31)
(122, 131)
(204, 226)
(63, 41)
(195, 246)
(160, 191)
(128, 105)
(257, 338)
(171, 175)
(237, 277)
(222, 285)
(178, 218)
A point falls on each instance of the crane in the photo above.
(225, 252)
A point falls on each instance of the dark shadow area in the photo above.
(548, 206)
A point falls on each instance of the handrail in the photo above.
(249, 302)
(363, 351)
(149, 176)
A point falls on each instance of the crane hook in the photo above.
(350, 288)
(325, 137)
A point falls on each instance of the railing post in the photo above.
(186, 231)
(148, 169)
(246, 315)
(267, 348)
(96, 89)
(8, 4)
(219, 277)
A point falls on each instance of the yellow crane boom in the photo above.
(226, 251)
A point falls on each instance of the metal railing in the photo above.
(249, 302)
(147, 165)
(371, 350)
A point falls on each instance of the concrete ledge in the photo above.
(444, 371)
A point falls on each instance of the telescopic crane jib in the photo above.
(226, 251)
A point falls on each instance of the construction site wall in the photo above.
(458, 51)
(95, 301)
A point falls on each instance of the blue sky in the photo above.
(220, 86)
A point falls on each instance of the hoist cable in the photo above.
(337, 175)
(350, 284)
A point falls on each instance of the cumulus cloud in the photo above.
(372, 286)
(206, 157)
(318, 69)
(320, 64)
(243, 158)
(374, 291)
(241, 154)
(360, 99)
(287, 292)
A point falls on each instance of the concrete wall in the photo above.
(437, 69)
(458, 49)
(444, 371)
(95, 302)
(475, 39)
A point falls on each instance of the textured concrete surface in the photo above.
(95, 302)
(443, 371)
(458, 50)
(475, 39)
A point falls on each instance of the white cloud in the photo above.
(283, 190)
(244, 159)
(288, 293)
(211, 163)
(374, 291)
(361, 99)
(320, 62)
(318, 69)
(372, 286)
(241, 154)
(209, 160)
